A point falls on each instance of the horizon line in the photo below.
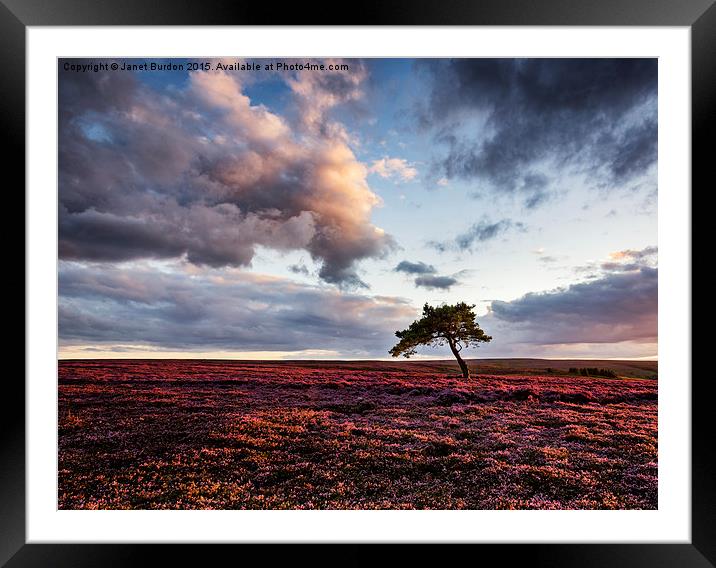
(368, 360)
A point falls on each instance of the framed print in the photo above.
(423, 277)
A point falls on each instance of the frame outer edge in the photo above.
(12, 417)
(703, 120)
(372, 12)
(12, 46)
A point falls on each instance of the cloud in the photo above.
(477, 233)
(200, 172)
(299, 269)
(426, 275)
(617, 307)
(629, 254)
(318, 93)
(622, 261)
(535, 186)
(393, 168)
(414, 267)
(227, 309)
(507, 122)
(435, 282)
(548, 259)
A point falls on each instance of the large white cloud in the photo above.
(201, 172)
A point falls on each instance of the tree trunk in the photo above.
(463, 365)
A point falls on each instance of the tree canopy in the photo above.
(453, 325)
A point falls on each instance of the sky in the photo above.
(215, 211)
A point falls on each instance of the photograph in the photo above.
(358, 283)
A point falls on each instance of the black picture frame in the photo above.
(17, 15)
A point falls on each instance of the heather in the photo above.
(341, 435)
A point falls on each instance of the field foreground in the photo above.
(354, 435)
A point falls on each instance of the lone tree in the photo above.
(454, 325)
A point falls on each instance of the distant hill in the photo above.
(623, 368)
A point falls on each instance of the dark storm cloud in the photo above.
(414, 267)
(597, 116)
(619, 306)
(200, 173)
(219, 310)
(477, 233)
(435, 282)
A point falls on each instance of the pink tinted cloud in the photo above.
(205, 174)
